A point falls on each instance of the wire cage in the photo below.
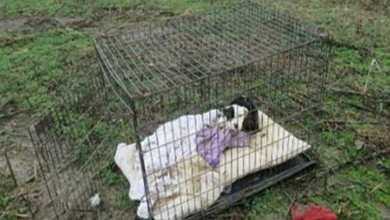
(72, 142)
(222, 104)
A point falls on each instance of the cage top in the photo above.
(158, 56)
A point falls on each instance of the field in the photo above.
(46, 44)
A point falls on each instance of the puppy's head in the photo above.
(231, 117)
(251, 122)
(246, 102)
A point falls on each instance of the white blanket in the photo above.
(180, 181)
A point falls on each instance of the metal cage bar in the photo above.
(157, 66)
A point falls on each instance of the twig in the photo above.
(342, 207)
(373, 63)
(360, 107)
(351, 92)
(366, 109)
(10, 168)
(11, 114)
(350, 122)
(292, 201)
(370, 135)
(2, 105)
(35, 172)
(307, 188)
(15, 214)
(375, 188)
(20, 194)
(123, 130)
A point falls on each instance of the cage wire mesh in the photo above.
(73, 144)
(178, 78)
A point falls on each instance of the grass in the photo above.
(5, 186)
(355, 192)
(22, 66)
(39, 60)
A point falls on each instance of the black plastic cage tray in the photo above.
(257, 182)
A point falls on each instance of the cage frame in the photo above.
(320, 35)
(54, 147)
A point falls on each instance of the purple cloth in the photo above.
(212, 142)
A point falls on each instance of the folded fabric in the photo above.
(212, 142)
(311, 212)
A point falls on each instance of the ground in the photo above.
(45, 44)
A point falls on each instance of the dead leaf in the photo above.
(359, 144)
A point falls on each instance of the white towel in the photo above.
(186, 184)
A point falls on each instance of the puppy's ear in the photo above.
(250, 124)
(228, 112)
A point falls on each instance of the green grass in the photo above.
(356, 191)
(38, 65)
(89, 9)
(35, 69)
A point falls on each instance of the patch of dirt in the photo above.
(15, 129)
(20, 151)
(22, 165)
(40, 22)
(12, 25)
(105, 21)
(129, 13)
(105, 28)
(67, 22)
(377, 135)
(34, 24)
(385, 211)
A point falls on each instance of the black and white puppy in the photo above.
(251, 122)
(241, 114)
(231, 117)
